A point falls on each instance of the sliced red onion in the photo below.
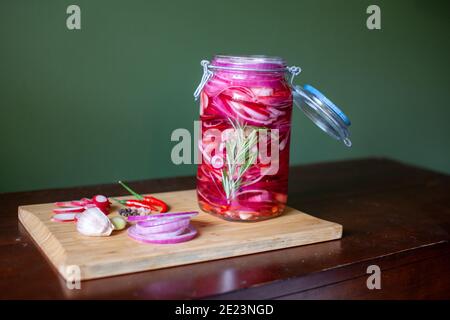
(189, 234)
(163, 215)
(136, 218)
(154, 222)
(164, 235)
(170, 226)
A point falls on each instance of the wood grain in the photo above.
(395, 215)
(100, 257)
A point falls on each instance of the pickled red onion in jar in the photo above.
(245, 107)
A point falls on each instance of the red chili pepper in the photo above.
(154, 201)
(149, 200)
(136, 204)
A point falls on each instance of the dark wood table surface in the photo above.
(395, 216)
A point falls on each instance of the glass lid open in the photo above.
(324, 113)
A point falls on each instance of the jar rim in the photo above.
(257, 63)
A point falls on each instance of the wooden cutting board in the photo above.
(99, 257)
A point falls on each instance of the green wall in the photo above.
(99, 104)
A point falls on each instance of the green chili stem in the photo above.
(137, 195)
(120, 201)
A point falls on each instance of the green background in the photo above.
(99, 104)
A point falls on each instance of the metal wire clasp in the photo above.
(207, 74)
(294, 71)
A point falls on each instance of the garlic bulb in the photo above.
(93, 222)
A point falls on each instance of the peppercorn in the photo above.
(125, 212)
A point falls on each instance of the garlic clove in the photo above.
(93, 222)
(119, 223)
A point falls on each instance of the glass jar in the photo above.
(245, 113)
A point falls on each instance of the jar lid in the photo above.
(324, 113)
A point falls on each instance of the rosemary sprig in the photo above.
(240, 155)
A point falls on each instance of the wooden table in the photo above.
(394, 216)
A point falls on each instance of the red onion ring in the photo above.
(165, 235)
(188, 234)
(161, 216)
(170, 226)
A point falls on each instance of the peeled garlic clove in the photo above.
(93, 222)
(119, 223)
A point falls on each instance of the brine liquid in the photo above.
(239, 103)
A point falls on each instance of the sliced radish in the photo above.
(78, 203)
(64, 217)
(69, 209)
(87, 200)
(64, 204)
(100, 200)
